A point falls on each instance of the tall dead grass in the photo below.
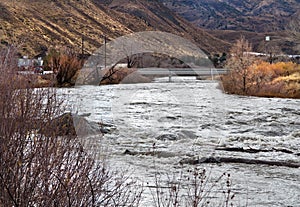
(280, 79)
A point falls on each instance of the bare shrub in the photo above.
(196, 188)
(52, 170)
(65, 64)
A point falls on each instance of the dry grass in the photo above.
(295, 77)
(281, 79)
(35, 80)
(42, 24)
(51, 23)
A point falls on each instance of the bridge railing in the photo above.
(203, 71)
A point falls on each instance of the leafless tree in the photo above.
(48, 170)
(130, 58)
(239, 63)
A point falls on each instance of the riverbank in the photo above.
(35, 80)
(122, 76)
(263, 79)
(107, 77)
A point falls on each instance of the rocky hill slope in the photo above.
(255, 19)
(36, 25)
(249, 15)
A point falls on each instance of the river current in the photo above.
(188, 118)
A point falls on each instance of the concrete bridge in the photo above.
(199, 71)
(93, 75)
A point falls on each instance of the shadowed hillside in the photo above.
(229, 19)
(249, 15)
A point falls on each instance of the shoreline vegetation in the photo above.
(263, 79)
(252, 76)
(280, 80)
(248, 75)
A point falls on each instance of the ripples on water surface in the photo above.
(190, 118)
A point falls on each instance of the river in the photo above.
(187, 118)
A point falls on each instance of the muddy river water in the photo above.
(190, 118)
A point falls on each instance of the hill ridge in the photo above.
(41, 24)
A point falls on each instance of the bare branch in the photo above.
(47, 169)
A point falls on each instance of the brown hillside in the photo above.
(161, 18)
(39, 24)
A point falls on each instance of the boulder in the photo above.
(69, 124)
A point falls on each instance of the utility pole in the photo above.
(170, 75)
(268, 49)
(104, 51)
(97, 72)
(82, 46)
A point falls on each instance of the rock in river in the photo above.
(72, 125)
